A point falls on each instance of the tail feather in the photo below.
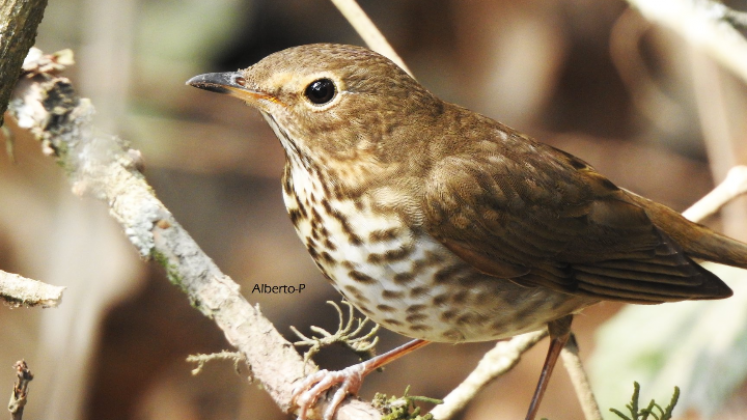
(695, 239)
(713, 246)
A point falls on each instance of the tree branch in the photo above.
(705, 24)
(19, 20)
(20, 291)
(106, 168)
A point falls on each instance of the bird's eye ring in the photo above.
(321, 91)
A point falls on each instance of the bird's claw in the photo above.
(313, 386)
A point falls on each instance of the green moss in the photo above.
(403, 408)
(653, 410)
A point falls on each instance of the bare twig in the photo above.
(704, 24)
(580, 380)
(732, 187)
(20, 390)
(368, 31)
(20, 291)
(201, 359)
(495, 363)
(106, 168)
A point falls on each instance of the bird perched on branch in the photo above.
(444, 225)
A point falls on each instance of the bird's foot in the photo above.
(308, 392)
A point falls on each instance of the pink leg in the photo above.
(350, 379)
(560, 331)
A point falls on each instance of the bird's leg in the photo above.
(350, 379)
(560, 331)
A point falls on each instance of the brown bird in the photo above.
(444, 225)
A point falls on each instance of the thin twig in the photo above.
(201, 359)
(20, 291)
(502, 358)
(361, 344)
(368, 31)
(732, 187)
(580, 380)
(20, 390)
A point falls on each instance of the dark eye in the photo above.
(320, 91)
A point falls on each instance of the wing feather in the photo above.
(545, 218)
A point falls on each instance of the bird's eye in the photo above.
(320, 91)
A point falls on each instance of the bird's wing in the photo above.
(544, 217)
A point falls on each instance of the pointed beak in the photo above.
(232, 83)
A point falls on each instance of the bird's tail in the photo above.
(713, 246)
(696, 240)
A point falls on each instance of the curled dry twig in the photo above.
(362, 345)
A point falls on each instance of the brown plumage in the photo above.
(445, 225)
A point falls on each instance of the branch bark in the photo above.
(20, 291)
(19, 20)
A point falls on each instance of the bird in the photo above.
(444, 225)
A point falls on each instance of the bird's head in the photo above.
(339, 100)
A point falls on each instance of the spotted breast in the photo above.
(397, 274)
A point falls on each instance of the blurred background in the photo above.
(591, 77)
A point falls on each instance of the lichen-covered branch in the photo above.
(106, 167)
(19, 20)
(20, 291)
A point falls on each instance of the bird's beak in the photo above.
(232, 83)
